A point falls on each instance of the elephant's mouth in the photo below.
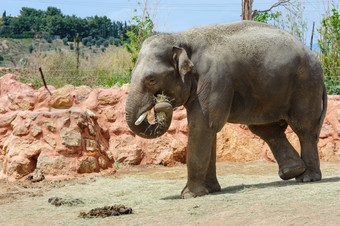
(163, 115)
(161, 110)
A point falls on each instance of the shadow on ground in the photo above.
(239, 188)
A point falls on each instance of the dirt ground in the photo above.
(252, 194)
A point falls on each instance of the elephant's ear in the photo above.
(182, 62)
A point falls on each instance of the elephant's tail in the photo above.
(324, 108)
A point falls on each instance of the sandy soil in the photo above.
(252, 194)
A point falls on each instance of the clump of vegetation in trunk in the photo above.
(161, 117)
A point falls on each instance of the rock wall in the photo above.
(83, 130)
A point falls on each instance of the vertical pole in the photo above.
(311, 39)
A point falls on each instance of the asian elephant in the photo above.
(241, 72)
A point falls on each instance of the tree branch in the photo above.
(279, 3)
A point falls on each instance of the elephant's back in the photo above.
(226, 29)
(223, 34)
(245, 36)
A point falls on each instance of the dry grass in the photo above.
(106, 69)
(153, 192)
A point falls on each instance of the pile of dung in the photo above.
(61, 201)
(106, 211)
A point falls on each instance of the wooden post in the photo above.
(311, 39)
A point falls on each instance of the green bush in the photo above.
(98, 43)
(106, 43)
(49, 40)
(65, 40)
(329, 44)
(1, 58)
(108, 79)
(30, 48)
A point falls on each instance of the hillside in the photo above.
(100, 65)
(19, 49)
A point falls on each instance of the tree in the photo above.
(53, 11)
(32, 21)
(291, 19)
(247, 6)
(139, 32)
(55, 24)
(329, 44)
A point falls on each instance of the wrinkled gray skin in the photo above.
(243, 72)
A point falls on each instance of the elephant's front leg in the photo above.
(201, 150)
(211, 179)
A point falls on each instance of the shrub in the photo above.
(1, 58)
(111, 41)
(49, 40)
(98, 43)
(85, 41)
(65, 40)
(117, 42)
(106, 43)
(30, 48)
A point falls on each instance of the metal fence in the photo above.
(92, 78)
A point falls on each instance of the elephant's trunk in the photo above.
(136, 116)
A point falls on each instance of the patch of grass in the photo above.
(110, 78)
(106, 69)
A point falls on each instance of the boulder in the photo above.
(62, 98)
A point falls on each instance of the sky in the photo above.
(170, 15)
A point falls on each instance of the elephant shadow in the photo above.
(242, 187)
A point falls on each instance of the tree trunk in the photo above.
(247, 6)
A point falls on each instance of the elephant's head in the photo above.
(161, 68)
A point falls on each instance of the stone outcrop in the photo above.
(82, 130)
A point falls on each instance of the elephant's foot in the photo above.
(194, 192)
(291, 171)
(309, 176)
(213, 186)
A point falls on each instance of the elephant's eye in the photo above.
(151, 81)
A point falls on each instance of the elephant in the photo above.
(241, 72)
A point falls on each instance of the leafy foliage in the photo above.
(266, 17)
(291, 20)
(138, 33)
(53, 22)
(329, 44)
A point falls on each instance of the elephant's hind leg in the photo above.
(308, 136)
(289, 161)
(306, 118)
